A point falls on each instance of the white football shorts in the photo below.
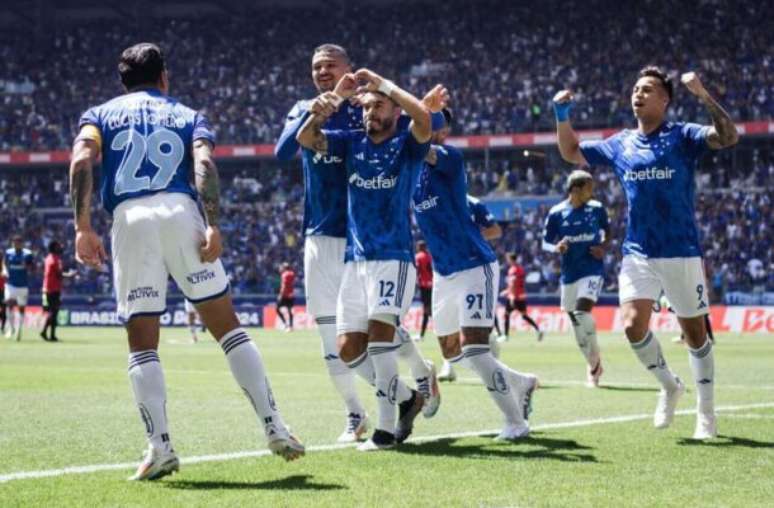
(154, 237)
(324, 270)
(585, 287)
(16, 293)
(465, 299)
(682, 280)
(371, 288)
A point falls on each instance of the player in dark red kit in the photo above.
(285, 298)
(53, 274)
(424, 264)
(516, 296)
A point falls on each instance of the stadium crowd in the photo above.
(502, 65)
(263, 216)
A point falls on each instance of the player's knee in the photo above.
(351, 346)
(450, 346)
(474, 336)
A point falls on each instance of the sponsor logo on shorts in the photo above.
(385, 303)
(200, 276)
(142, 292)
(476, 315)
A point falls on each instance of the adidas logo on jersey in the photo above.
(476, 315)
(375, 183)
(326, 159)
(384, 303)
(427, 204)
(649, 174)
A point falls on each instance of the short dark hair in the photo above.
(54, 247)
(141, 64)
(332, 48)
(654, 71)
(511, 256)
(421, 244)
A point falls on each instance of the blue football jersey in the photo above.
(657, 175)
(480, 214)
(380, 178)
(325, 176)
(16, 264)
(147, 140)
(444, 216)
(583, 227)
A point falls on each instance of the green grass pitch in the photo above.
(69, 404)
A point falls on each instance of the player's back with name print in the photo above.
(146, 144)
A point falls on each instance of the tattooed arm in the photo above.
(311, 135)
(208, 187)
(88, 245)
(723, 131)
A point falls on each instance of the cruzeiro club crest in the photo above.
(146, 418)
(498, 382)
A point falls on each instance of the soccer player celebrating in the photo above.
(424, 262)
(655, 164)
(325, 231)
(18, 264)
(52, 288)
(491, 231)
(578, 229)
(516, 296)
(285, 298)
(465, 287)
(149, 144)
(382, 164)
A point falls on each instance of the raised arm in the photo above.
(207, 184)
(723, 132)
(311, 135)
(421, 126)
(569, 144)
(88, 245)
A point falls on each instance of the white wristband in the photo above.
(386, 87)
(337, 100)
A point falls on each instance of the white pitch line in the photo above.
(751, 416)
(222, 457)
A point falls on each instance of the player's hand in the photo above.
(563, 97)
(562, 246)
(347, 86)
(693, 84)
(563, 101)
(324, 104)
(369, 79)
(212, 247)
(432, 156)
(597, 251)
(436, 99)
(89, 249)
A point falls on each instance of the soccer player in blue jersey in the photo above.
(655, 164)
(382, 162)
(465, 281)
(579, 230)
(491, 231)
(18, 264)
(325, 230)
(150, 144)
